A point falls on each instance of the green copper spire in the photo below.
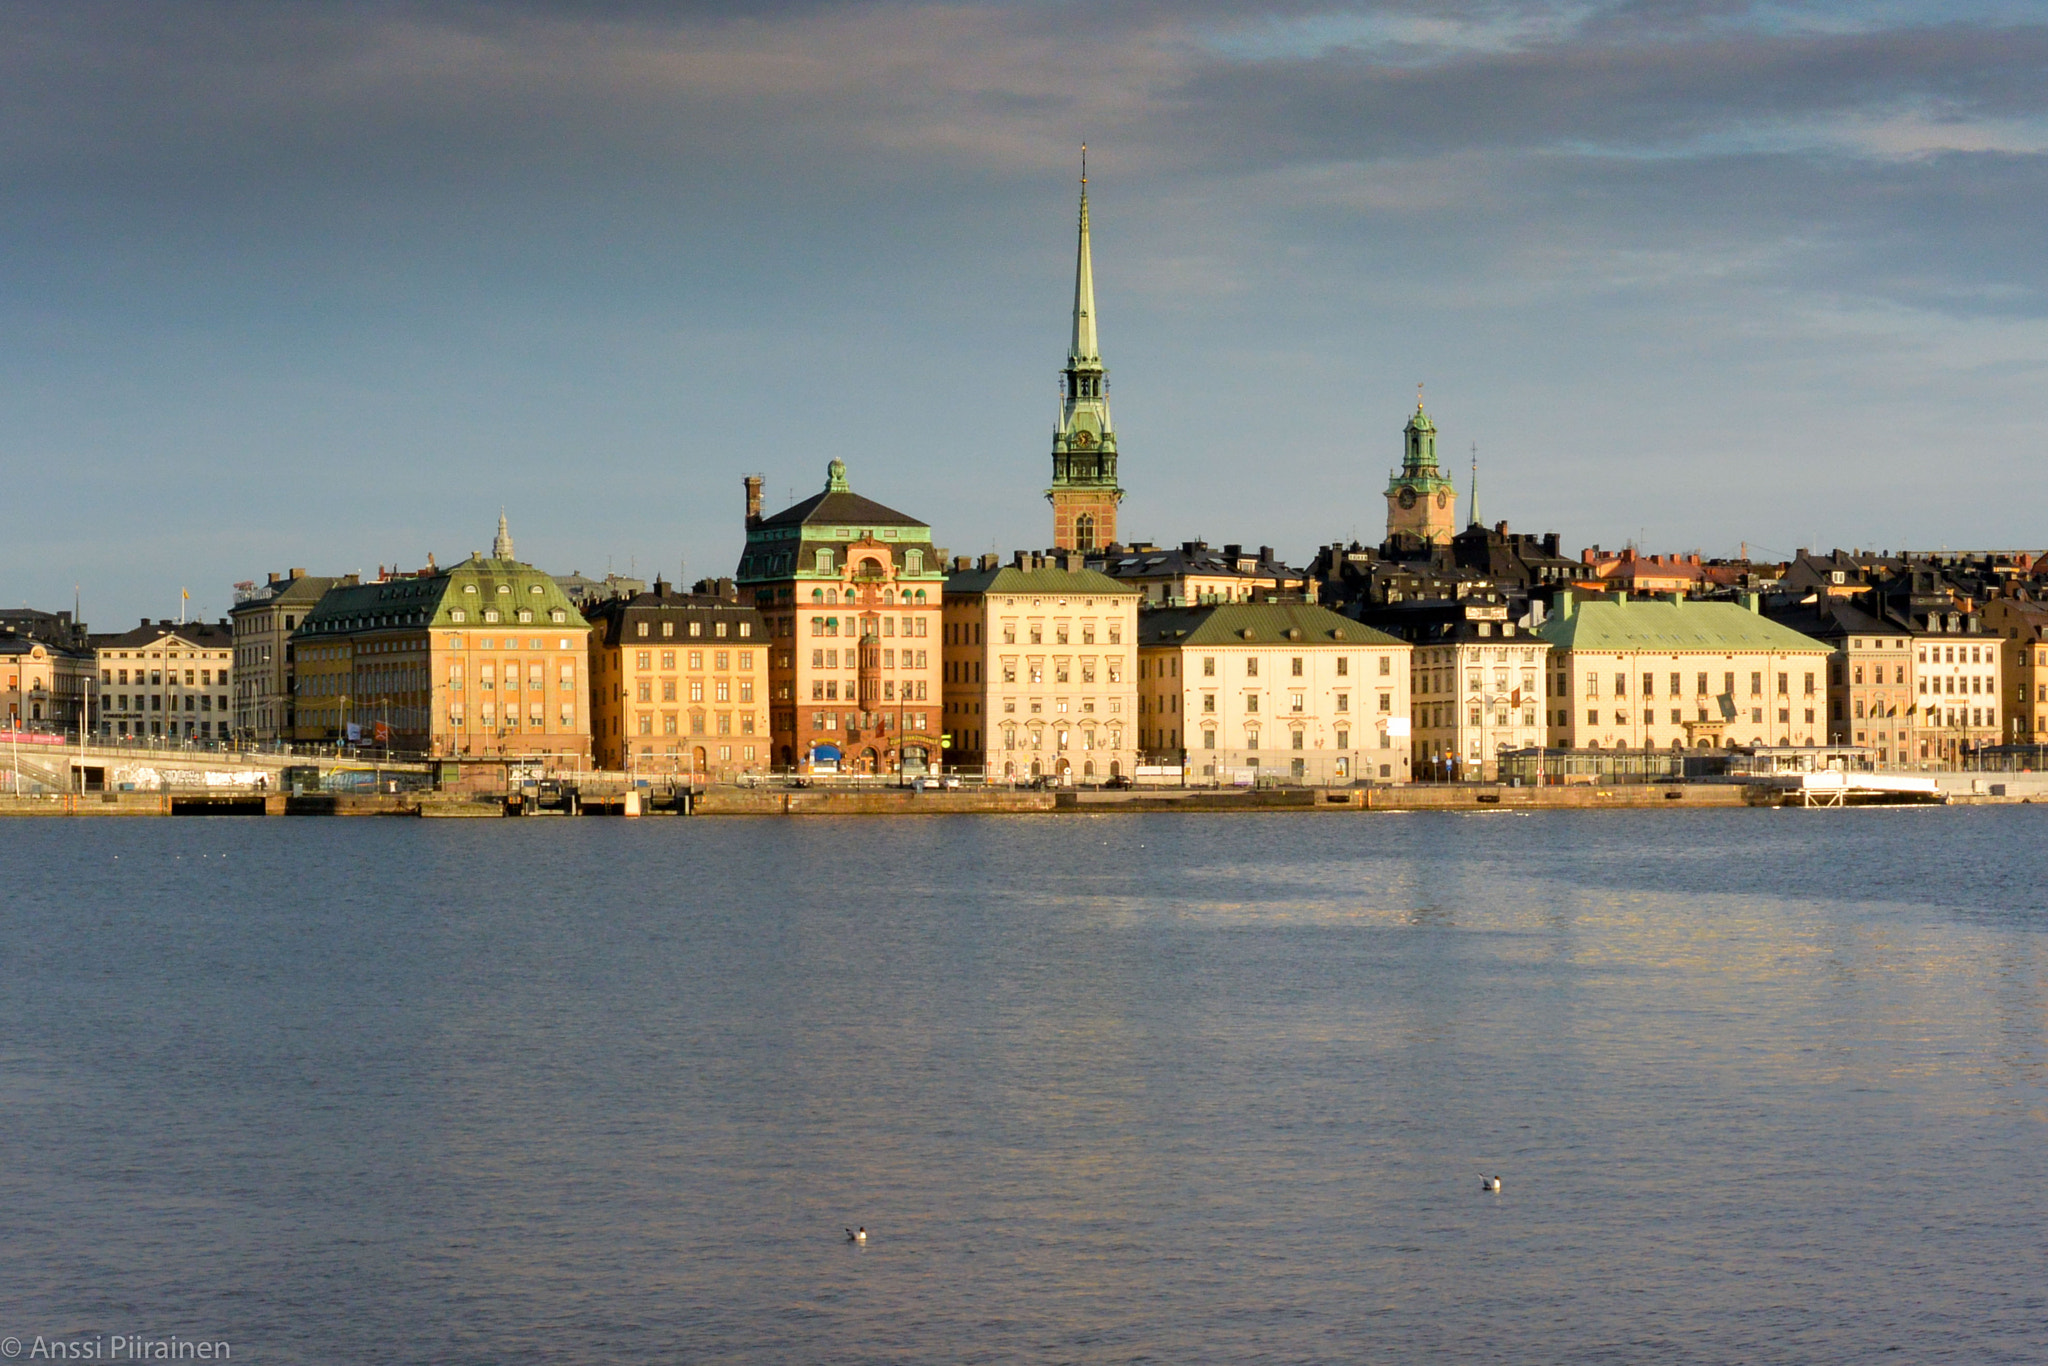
(1085, 348)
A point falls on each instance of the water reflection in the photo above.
(1762, 1086)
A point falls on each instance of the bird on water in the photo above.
(1490, 1183)
(857, 1235)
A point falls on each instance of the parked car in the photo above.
(1119, 781)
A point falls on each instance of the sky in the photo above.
(327, 283)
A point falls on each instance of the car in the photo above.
(1119, 781)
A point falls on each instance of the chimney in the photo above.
(1265, 554)
(298, 573)
(1233, 550)
(991, 561)
(1550, 543)
(1023, 559)
(1076, 562)
(274, 576)
(727, 591)
(145, 621)
(753, 487)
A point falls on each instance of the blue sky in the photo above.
(325, 284)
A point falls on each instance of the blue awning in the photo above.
(824, 752)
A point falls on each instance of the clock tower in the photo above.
(1084, 493)
(1420, 502)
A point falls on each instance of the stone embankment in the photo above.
(1955, 789)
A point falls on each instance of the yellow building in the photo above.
(487, 659)
(1039, 676)
(2022, 627)
(1671, 674)
(1239, 693)
(166, 680)
(264, 617)
(679, 683)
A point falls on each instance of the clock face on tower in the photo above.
(1084, 439)
(1407, 498)
(1443, 500)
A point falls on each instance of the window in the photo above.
(1343, 741)
(1343, 666)
(1251, 666)
(1386, 702)
(824, 562)
(1756, 686)
(1208, 666)
(1343, 701)
(1294, 669)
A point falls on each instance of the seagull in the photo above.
(858, 1235)
(1490, 1183)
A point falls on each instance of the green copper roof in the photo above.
(1672, 628)
(432, 599)
(1268, 623)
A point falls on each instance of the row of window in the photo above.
(720, 659)
(644, 723)
(490, 614)
(1676, 684)
(743, 629)
(1442, 715)
(830, 720)
(1035, 633)
(1434, 682)
(155, 677)
(205, 702)
(872, 628)
(128, 729)
(488, 716)
(1063, 671)
(1621, 715)
(911, 690)
(829, 659)
(721, 690)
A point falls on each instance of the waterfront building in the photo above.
(166, 680)
(48, 661)
(1084, 493)
(2021, 623)
(1676, 673)
(1871, 676)
(851, 591)
(264, 617)
(485, 658)
(1196, 574)
(1422, 504)
(1272, 690)
(1040, 676)
(1479, 681)
(679, 683)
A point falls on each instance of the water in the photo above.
(1762, 1087)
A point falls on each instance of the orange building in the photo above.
(679, 683)
(850, 591)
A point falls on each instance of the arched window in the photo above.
(1084, 531)
(920, 595)
(817, 595)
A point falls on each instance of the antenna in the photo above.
(1084, 163)
(1475, 483)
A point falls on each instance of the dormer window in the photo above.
(824, 562)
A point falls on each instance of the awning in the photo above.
(824, 753)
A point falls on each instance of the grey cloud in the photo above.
(1623, 95)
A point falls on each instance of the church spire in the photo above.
(501, 547)
(1085, 349)
(1084, 492)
